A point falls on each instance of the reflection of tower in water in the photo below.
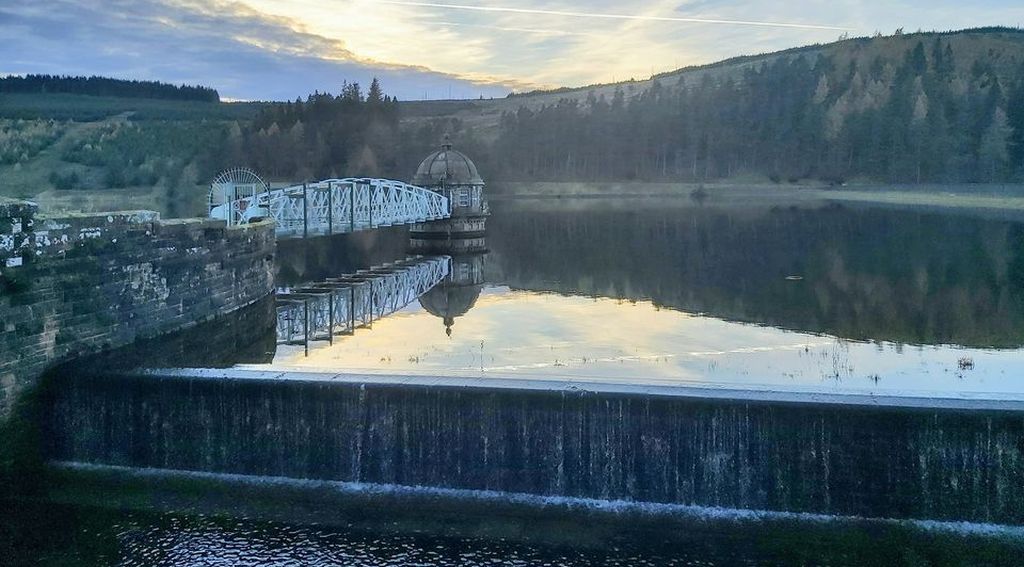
(462, 237)
(457, 294)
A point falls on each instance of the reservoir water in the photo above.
(601, 302)
(808, 298)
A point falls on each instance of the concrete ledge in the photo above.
(576, 387)
(198, 222)
(252, 225)
(109, 217)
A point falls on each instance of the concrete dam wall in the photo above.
(964, 463)
(81, 283)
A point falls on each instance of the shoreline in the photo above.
(1001, 197)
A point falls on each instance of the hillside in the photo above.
(940, 107)
(920, 109)
(76, 151)
(1001, 48)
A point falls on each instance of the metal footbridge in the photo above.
(319, 311)
(331, 206)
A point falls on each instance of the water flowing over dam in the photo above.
(958, 462)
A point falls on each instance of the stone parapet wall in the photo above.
(80, 284)
(16, 219)
(24, 234)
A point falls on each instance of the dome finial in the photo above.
(448, 322)
(446, 166)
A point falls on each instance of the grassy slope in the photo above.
(1003, 201)
(31, 178)
(84, 116)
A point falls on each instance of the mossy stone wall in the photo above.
(79, 284)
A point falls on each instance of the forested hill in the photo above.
(937, 107)
(928, 108)
(104, 86)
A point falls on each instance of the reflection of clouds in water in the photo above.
(663, 357)
(547, 336)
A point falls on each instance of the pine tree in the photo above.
(916, 59)
(1015, 121)
(992, 152)
(375, 95)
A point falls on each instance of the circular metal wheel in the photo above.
(231, 190)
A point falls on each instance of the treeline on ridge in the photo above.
(349, 134)
(920, 113)
(918, 109)
(105, 86)
(913, 119)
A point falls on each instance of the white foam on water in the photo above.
(557, 503)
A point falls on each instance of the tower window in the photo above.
(462, 198)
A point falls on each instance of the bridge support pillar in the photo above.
(305, 212)
(330, 215)
(352, 207)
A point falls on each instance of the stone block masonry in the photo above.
(82, 283)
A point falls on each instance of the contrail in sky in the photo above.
(611, 16)
(524, 30)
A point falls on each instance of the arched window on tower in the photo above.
(463, 199)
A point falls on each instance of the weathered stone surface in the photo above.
(76, 284)
(16, 220)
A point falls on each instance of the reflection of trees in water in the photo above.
(246, 336)
(867, 274)
(303, 260)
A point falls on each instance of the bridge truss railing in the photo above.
(336, 206)
(319, 311)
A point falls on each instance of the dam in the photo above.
(440, 391)
(843, 456)
(633, 378)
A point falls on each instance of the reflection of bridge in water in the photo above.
(340, 305)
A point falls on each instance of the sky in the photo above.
(283, 49)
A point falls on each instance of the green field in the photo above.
(72, 152)
(999, 199)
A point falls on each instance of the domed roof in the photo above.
(447, 166)
(450, 301)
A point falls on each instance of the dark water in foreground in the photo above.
(66, 535)
(821, 298)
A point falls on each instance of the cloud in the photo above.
(540, 31)
(607, 16)
(242, 52)
(277, 49)
(574, 43)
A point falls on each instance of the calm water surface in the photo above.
(811, 298)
